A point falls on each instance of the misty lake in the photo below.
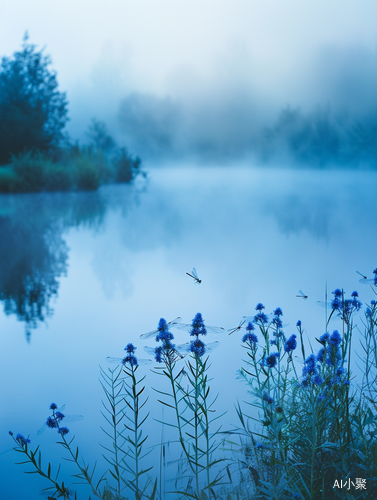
(83, 274)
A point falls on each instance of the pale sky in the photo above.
(102, 50)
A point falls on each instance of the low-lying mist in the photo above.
(322, 114)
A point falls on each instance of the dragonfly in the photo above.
(66, 418)
(210, 329)
(184, 349)
(120, 361)
(237, 328)
(365, 281)
(194, 275)
(302, 295)
(153, 333)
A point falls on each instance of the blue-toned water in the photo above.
(83, 274)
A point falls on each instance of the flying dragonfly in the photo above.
(148, 335)
(194, 275)
(371, 281)
(184, 349)
(121, 361)
(237, 328)
(65, 418)
(302, 295)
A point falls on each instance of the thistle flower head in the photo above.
(335, 338)
(59, 416)
(354, 294)
(130, 360)
(197, 347)
(130, 348)
(291, 344)
(259, 307)
(271, 360)
(22, 440)
(51, 423)
(250, 338)
(261, 318)
(337, 292)
(298, 324)
(250, 327)
(324, 338)
(278, 312)
(197, 325)
(53, 406)
(63, 431)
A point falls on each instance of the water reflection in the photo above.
(33, 251)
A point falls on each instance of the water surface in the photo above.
(83, 274)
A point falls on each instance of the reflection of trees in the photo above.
(33, 253)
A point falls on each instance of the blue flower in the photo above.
(163, 351)
(368, 312)
(22, 440)
(321, 355)
(63, 431)
(158, 352)
(336, 304)
(273, 342)
(276, 321)
(337, 292)
(131, 360)
(259, 446)
(372, 302)
(290, 344)
(250, 337)
(259, 307)
(325, 337)
(354, 294)
(250, 327)
(267, 397)
(130, 348)
(346, 382)
(51, 423)
(271, 360)
(59, 416)
(53, 406)
(298, 324)
(197, 347)
(296, 496)
(310, 367)
(163, 331)
(198, 327)
(278, 312)
(10, 433)
(317, 379)
(335, 338)
(261, 318)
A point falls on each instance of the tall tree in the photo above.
(33, 111)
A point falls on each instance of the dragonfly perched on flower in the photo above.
(302, 295)
(210, 329)
(194, 275)
(153, 333)
(184, 349)
(371, 281)
(122, 361)
(59, 416)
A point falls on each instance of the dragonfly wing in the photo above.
(194, 273)
(174, 322)
(143, 362)
(150, 350)
(212, 346)
(42, 429)
(148, 335)
(183, 326)
(117, 361)
(215, 329)
(72, 418)
(183, 348)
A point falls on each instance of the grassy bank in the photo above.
(311, 434)
(71, 168)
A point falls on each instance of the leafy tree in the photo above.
(32, 110)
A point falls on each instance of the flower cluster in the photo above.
(290, 344)
(271, 360)
(197, 346)
(22, 441)
(166, 350)
(345, 307)
(250, 338)
(130, 359)
(53, 421)
(260, 318)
